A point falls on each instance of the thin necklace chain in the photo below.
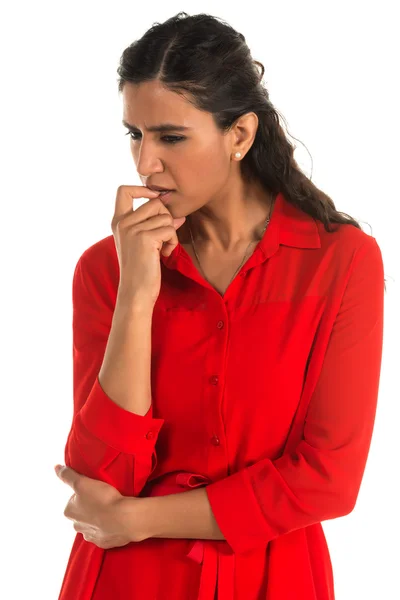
(244, 257)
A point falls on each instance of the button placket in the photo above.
(214, 440)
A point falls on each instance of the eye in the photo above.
(169, 139)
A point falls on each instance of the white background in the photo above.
(331, 71)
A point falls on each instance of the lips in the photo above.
(165, 196)
(157, 188)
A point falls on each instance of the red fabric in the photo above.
(265, 395)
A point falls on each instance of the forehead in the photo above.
(150, 103)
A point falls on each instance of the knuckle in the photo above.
(121, 226)
(166, 219)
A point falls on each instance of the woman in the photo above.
(227, 338)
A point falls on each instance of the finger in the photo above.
(70, 510)
(125, 195)
(68, 475)
(151, 216)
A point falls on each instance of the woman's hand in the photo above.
(140, 236)
(103, 515)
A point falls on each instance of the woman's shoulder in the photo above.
(103, 250)
(345, 237)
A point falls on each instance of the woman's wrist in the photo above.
(140, 517)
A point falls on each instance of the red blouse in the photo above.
(266, 395)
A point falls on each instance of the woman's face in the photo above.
(195, 162)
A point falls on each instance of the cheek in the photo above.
(218, 157)
(207, 166)
(218, 170)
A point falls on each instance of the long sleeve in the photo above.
(321, 478)
(105, 442)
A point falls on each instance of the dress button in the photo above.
(215, 440)
(150, 435)
(220, 324)
(214, 379)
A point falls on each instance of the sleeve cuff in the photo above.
(238, 513)
(123, 430)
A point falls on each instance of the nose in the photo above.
(147, 161)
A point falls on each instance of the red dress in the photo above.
(266, 395)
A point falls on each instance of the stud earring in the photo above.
(238, 155)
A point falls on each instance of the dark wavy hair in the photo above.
(205, 60)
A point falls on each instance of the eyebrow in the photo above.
(161, 128)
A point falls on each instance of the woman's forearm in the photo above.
(125, 374)
(184, 515)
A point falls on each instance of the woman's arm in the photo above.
(125, 371)
(184, 515)
(113, 432)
